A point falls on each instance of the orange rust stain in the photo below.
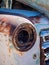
(5, 28)
(4, 20)
(9, 50)
(20, 53)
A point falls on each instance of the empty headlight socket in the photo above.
(24, 37)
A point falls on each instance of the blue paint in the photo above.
(21, 12)
(43, 32)
(45, 45)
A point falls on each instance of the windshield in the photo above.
(5, 4)
(13, 4)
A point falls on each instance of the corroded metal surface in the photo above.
(9, 55)
(40, 5)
